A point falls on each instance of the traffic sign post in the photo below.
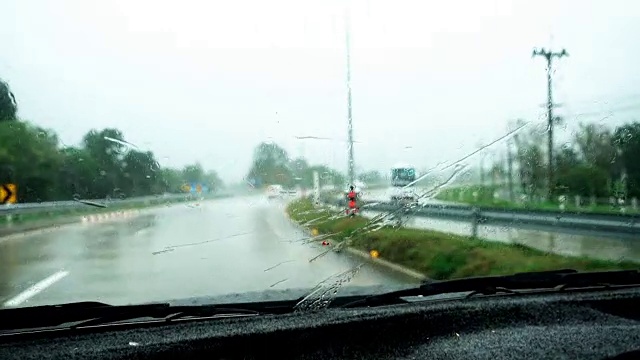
(8, 194)
(195, 188)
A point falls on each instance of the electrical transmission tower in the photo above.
(549, 55)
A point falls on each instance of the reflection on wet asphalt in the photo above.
(219, 247)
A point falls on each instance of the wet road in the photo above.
(219, 247)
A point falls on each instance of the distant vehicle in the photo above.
(274, 191)
(403, 177)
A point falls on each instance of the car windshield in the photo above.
(158, 150)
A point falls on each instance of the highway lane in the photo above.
(219, 247)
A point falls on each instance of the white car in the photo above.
(274, 191)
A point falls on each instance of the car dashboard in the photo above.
(602, 324)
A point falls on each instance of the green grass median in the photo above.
(465, 195)
(440, 255)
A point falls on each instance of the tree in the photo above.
(595, 145)
(530, 160)
(626, 140)
(8, 104)
(193, 173)
(566, 159)
(171, 180)
(586, 180)
(78, 173)
(140, 175)
(300, 172)
(271, 166)
(106, 147)
(103, 166)
(30, 159)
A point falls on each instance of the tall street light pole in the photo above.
(351, 174)
(549, 56)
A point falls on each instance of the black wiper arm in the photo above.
(567, 278)
(83, 314)
(55, 315)
(170, 313)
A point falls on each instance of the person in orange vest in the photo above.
(352, 193)
(352, 201)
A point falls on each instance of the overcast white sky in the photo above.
(208, 80)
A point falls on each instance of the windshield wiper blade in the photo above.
(560, 279)
(55, 315)
(168, 314)
(83, 314)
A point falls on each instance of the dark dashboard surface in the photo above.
(581, 325)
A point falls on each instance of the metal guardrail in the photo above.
(53, 206)
(596, 224)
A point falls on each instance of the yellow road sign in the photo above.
(8, 194)
(186, 187)
(199, 188)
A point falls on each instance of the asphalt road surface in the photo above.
(217, 247)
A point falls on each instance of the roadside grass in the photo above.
(464, 195)
(440, 255)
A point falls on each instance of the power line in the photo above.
(549, 56)
(606, 98)
(609, 111)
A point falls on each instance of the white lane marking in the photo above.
(36, 288)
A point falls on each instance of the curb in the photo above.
(38, 226)
(47, 226)
(110, 216)
(53, 225)
(388, 264)
(376, 261)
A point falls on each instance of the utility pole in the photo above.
(549, 55)
(351, 164)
